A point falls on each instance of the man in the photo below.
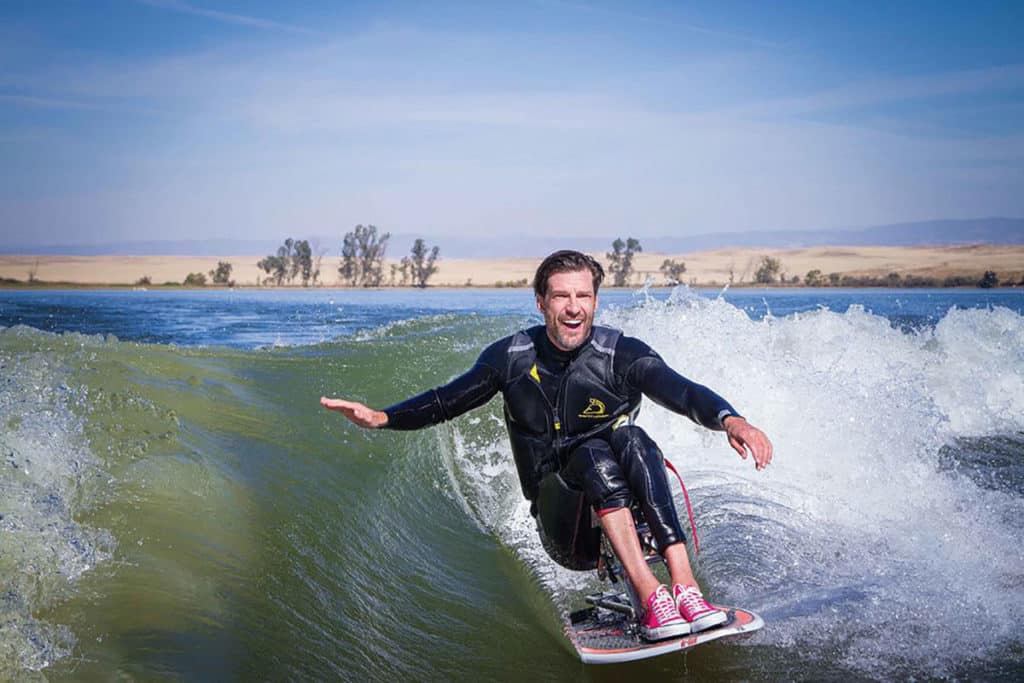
(571, 391)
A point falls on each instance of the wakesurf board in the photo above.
(604, 637)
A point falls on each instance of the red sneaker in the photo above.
(695, 610)
(661, 620)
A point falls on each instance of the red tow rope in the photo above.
(689, 510)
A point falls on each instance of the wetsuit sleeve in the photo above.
(644, 370)
(469, 390)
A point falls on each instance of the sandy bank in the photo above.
(707, 267)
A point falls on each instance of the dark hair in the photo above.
(566, 261)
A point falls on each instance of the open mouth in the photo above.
(572, 324)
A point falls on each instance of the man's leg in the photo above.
(621, 532)
(593, 467)
(678, 561)
(644, 465)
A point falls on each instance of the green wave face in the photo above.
(210, 518)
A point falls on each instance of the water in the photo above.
(176, 504)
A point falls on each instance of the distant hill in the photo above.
(937, 232)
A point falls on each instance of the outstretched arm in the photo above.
(467, 391)
(744, 437)
(358, 413)
(645, 371)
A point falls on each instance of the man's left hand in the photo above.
(744, 436)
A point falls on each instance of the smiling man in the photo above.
(572, 391)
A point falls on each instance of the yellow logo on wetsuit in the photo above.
(594, 409)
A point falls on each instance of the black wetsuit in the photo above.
(578, 425)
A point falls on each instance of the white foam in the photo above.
(855, 543)
(47, 476)
(859, 515)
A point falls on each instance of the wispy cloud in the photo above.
(227, 17)
(663, 21)
(45, 102)
(882, 91)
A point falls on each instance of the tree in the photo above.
(834, 279)
(315, 274)
(420, 264)
(302, 263)
(362, 256)
(673, 270)
(814, 278)
(989, 280)
(621, 257)
(768, 270)
(401, 268)
(275, 266)
(222, 274)
(294, 259)
(195, 280)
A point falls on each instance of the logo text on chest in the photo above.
(594, 409)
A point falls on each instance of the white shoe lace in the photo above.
(663, 607)
(692, 599)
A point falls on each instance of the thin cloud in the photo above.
(227, 17)
(45, 102)
(880, 92)
(661, 21)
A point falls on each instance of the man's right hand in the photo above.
(358, 413)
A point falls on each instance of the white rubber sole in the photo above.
(665, 632)
(709, 620)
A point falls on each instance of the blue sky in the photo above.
(175, 119)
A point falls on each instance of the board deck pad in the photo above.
(603, 636)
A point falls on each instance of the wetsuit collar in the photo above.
(548, 350)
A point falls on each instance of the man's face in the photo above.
(568, 308)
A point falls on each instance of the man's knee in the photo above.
(594, 467)
(631, 441)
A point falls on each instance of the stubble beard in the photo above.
(580, 335)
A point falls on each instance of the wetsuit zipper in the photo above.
(559, 406)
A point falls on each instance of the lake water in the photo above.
(176, 504)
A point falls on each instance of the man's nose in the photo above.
(574, 304)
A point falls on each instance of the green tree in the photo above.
(768, 270)
(400, 269)
(195, 280)
(834, 279)
(362, 256)
(673, 270)
(294, 259)
(420, 264)
(989, 280)
(222, 274)
(621, 257)
(302, 263)
(278, 266)
(814, 278)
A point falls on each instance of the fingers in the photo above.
(737, 446)
(752, 438)
(761, 448)
(337, 403)
(356, 412)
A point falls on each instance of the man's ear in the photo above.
(540, 303)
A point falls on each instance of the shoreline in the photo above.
(848, 266)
